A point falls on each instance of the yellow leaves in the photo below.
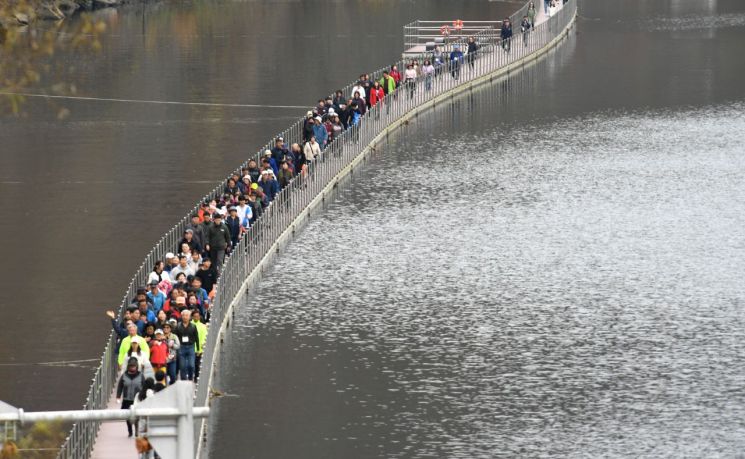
(26, 52)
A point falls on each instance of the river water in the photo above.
(550, 267)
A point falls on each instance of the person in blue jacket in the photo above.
(456, 59)
(319, 130)
(269, 184)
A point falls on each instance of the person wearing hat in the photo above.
(308, 127)
(219, 241)
(169, 262)
(269, 184)
(158, 351)
(130, 383)
(190, 240)
(279, 151)
(197, 230)
(155, 296)
(319, 130)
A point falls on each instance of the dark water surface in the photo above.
(86, 198)
(550, 267)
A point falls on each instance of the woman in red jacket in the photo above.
(376, 94)
(158, 351)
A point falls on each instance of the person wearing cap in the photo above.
(168, 264)
(456, 59)
(156, 297)
(190, 240)
(158, 351)
(127, 343)
(233, 222)
(130, 383)
(219, 241)
(189, 341)
(269, 184)
(308, 127)
(279, 151)
(319, 130)
(197, 230)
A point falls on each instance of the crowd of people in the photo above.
(162, 334)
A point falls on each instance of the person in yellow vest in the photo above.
(127, 343)
(196, 319)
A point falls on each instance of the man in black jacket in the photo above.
(218, 236)
(208, 274)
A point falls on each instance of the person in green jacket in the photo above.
(388, 83)
(196, 319)
(127, 343)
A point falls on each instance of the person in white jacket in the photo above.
(359, 88)
(311, 149)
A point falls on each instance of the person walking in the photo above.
(456, 58)
(189, 345)
(130, 383)
(173, 344)
(506, 34)
(428, 70)
(472, 48)
(219, 241)
(531, 14)
(410, 79)
(546, 4)
(525, 29)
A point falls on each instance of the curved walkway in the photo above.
(258, 235)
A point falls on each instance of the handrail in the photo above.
(258, 241)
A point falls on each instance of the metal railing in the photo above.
(259, 240)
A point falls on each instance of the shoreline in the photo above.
(56, 10)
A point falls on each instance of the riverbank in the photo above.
(26, 12)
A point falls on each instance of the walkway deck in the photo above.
(112, 441)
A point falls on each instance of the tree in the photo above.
(26, 49)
